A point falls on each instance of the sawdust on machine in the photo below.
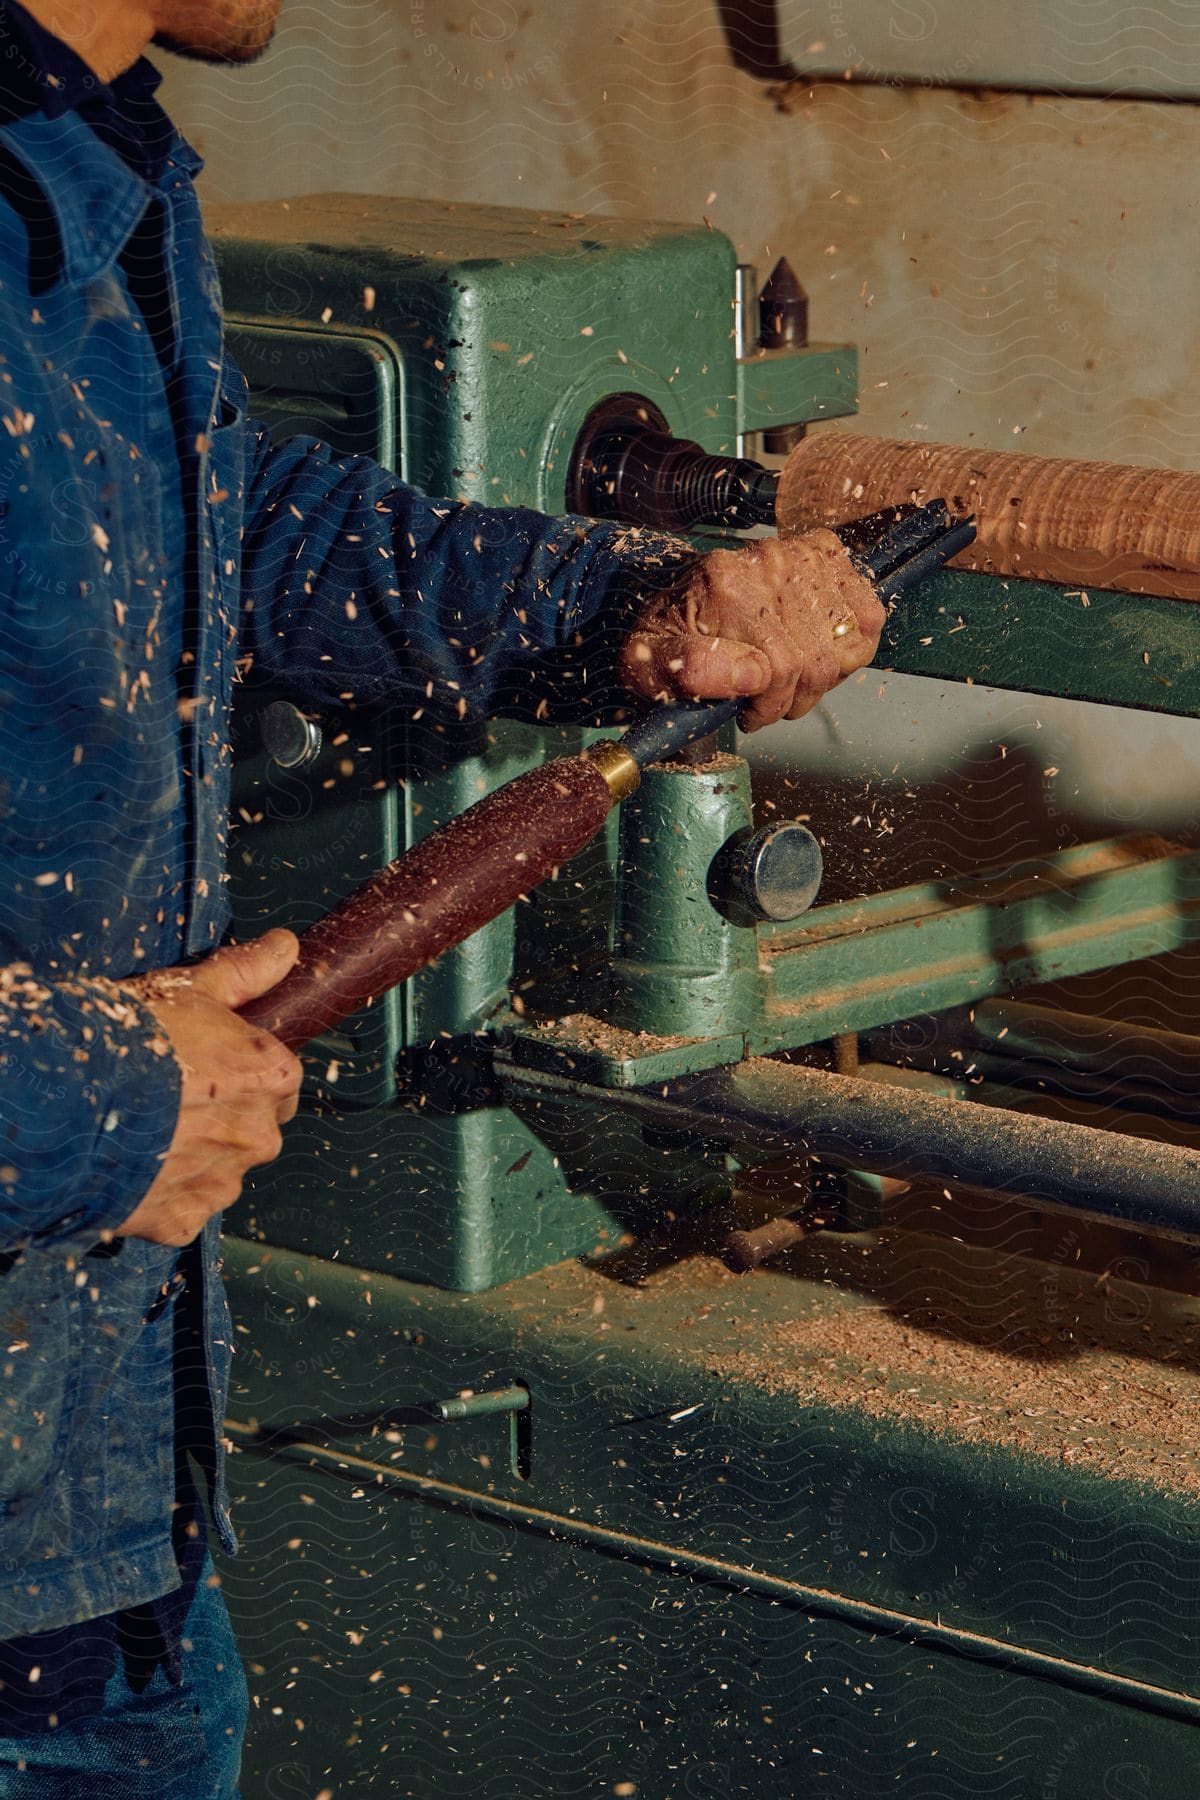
(1120, 1418)
(583, 1031)
(721, 762)
(1115, 1413)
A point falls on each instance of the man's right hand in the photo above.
(239, 1084)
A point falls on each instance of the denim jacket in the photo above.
(151, 540)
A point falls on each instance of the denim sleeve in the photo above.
(89, 1097)
(356, 588)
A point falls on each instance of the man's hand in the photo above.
(239, 1085)
(780, 621)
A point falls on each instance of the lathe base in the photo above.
(753, 1535)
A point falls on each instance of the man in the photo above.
(151, 539)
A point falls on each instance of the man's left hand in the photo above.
(780, 621)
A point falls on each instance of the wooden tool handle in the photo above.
(1086, 524)
(435, 895)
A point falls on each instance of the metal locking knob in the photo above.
(772, 873)
(288, 738)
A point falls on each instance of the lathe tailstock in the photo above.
(525, 1468)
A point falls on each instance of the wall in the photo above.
(1011, 265)
(1016, 268)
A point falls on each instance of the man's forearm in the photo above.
(358, 588)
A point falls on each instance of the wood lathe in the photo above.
(516, 1445)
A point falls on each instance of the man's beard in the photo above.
(240, 33)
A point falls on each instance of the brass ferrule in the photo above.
(620, 771)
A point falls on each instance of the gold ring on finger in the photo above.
(845, 626)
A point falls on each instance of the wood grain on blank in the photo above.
(1086, 524)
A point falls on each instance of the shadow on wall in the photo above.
(752, 31)
(882, 834)
(989, 812)
(912, 780)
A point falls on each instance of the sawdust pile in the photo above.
(1116, 1414)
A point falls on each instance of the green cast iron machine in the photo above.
(537, 1496)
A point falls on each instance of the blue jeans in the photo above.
(166, 1743)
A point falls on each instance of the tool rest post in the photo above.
(681, 969)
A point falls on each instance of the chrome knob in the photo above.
(288, 738)
(772, 873)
